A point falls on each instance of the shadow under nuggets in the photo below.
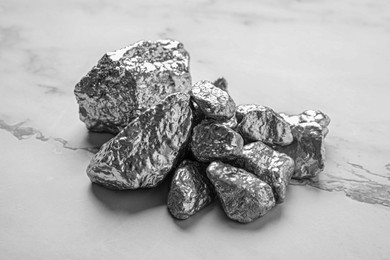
(96, 140)
(132, 201)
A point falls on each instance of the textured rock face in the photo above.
(243, 109)
(309, 116)
(128, 81)
(143, 153)
(190, 190)
(213, 141)
(270, 166)
(231, 123)
(243, 196)
(214, 102)
(259, 123)
(307, 150)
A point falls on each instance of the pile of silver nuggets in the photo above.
(244, 155)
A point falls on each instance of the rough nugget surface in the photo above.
(128, 81)
(144, 152)
(190, 190)
(270, 166)
(259, 123)
(243, 196)
(214, 141)
(307, 150)
(309, 116)
(214, 102)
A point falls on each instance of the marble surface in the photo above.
(289, 55)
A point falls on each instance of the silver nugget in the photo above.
(244, 197)
(259, 123)
(214, 102)
(213, 141)
(221, 83)
(146, 150)
(128, 81)
(307, 150)
(190, 190)
(270, 166)
(309, 116)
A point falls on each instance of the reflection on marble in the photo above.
(288, 55)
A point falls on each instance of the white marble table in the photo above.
(290, 55)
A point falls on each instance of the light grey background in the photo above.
(289, 55)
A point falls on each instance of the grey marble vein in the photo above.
(360, 167)
(366, 191)
(25, 132)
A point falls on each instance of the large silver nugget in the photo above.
(259, 123)
(270, 166)
(190, 190)
(309, 116)
(146, 150)
(128, 81)
(307, 150)
(214, 102)
(243, 196)
(213, 141)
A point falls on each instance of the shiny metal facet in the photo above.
(307, 150)
(199, 116)
(128, 81)
(259, 123)
(309, 116)
(243, 109)
(270, 166)
(146, 150)
(197, 112)
(244, 197)
(190, 190)
(213, 141)
(213, 101)
(231, 123)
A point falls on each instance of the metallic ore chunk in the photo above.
(259, 123)
(270, 166)
(128, 81)
(197, 113)
(307, 150)
(243, 196)
(213, 141)
(143, 153)
(309, 116)
(242, 110)
(190, 190)
(231, 123)
(221, 83)
(213, 101)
